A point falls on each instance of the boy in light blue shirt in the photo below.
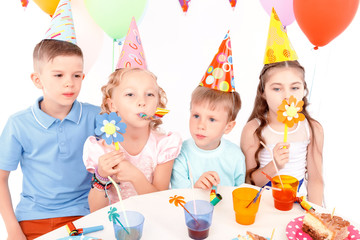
(47, 140)
(207, 158)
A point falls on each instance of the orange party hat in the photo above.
(278, 46)
(220, 74)
(132, 54)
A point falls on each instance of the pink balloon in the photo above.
(283, 8)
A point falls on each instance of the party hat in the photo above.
(132, 54)
(220, 75)
(184, 5)
(278, 46)
(62, 24)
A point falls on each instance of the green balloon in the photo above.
(114, 16)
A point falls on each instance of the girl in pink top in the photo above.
(144, 161)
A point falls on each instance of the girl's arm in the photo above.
(249, 144)
(6, 209)
(97, 199)
(315, 186)
(161, 180)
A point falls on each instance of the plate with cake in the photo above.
(322, 226)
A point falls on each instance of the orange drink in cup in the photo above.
(244, 213)
(284, 198)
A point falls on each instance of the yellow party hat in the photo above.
(278, 46)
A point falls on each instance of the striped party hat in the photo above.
(62, 24)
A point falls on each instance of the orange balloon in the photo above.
(324, 20)
(48, 6)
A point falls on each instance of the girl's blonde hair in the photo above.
(261, 107)
(115, 80)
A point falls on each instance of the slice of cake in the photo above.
(321, 226)
(250, 236)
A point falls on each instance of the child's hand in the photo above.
(281, 154)
(207, 180)
(108, 162)
(126, 171)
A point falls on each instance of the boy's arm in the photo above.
(180, 177)
(6, 209)
(240, 170)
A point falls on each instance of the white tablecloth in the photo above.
(166, 221)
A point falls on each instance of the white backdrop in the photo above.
(178, 50)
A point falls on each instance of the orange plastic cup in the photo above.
(284, 199)
(241, 198)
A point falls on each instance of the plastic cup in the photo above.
(241, 199)
(284, 198)
(202, 211)
(135, 227)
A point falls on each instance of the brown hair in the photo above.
(230, 100)
(114, 81)
(48, 49)
(261, 107)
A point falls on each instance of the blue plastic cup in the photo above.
(202, 211)
(135, 221)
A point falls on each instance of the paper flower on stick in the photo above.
(109, 127)
(289, 113)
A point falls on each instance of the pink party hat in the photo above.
(132, 54)
(220, 75)
(62, 24)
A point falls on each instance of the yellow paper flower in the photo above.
(289, 113)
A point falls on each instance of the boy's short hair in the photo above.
(48, 49)
(230, 100)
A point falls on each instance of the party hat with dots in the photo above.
(220, 74)
(132, 54)
(62, 24)
(278, 46)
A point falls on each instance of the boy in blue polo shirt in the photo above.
(47, 140)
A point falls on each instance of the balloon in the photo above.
(283, 8)
(323, 20)
(114, 16)
(48, 6)
(89, 35)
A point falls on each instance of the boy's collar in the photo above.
(46, 120)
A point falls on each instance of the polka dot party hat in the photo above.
(132, 54)
(62, 24)
(278, 46)
(220, 75)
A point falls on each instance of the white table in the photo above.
(164, 220)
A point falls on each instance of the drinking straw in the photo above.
(256, 196)
(192, 185)
(180, 200)
(272, 159)
(120, 200)
(272, 234)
